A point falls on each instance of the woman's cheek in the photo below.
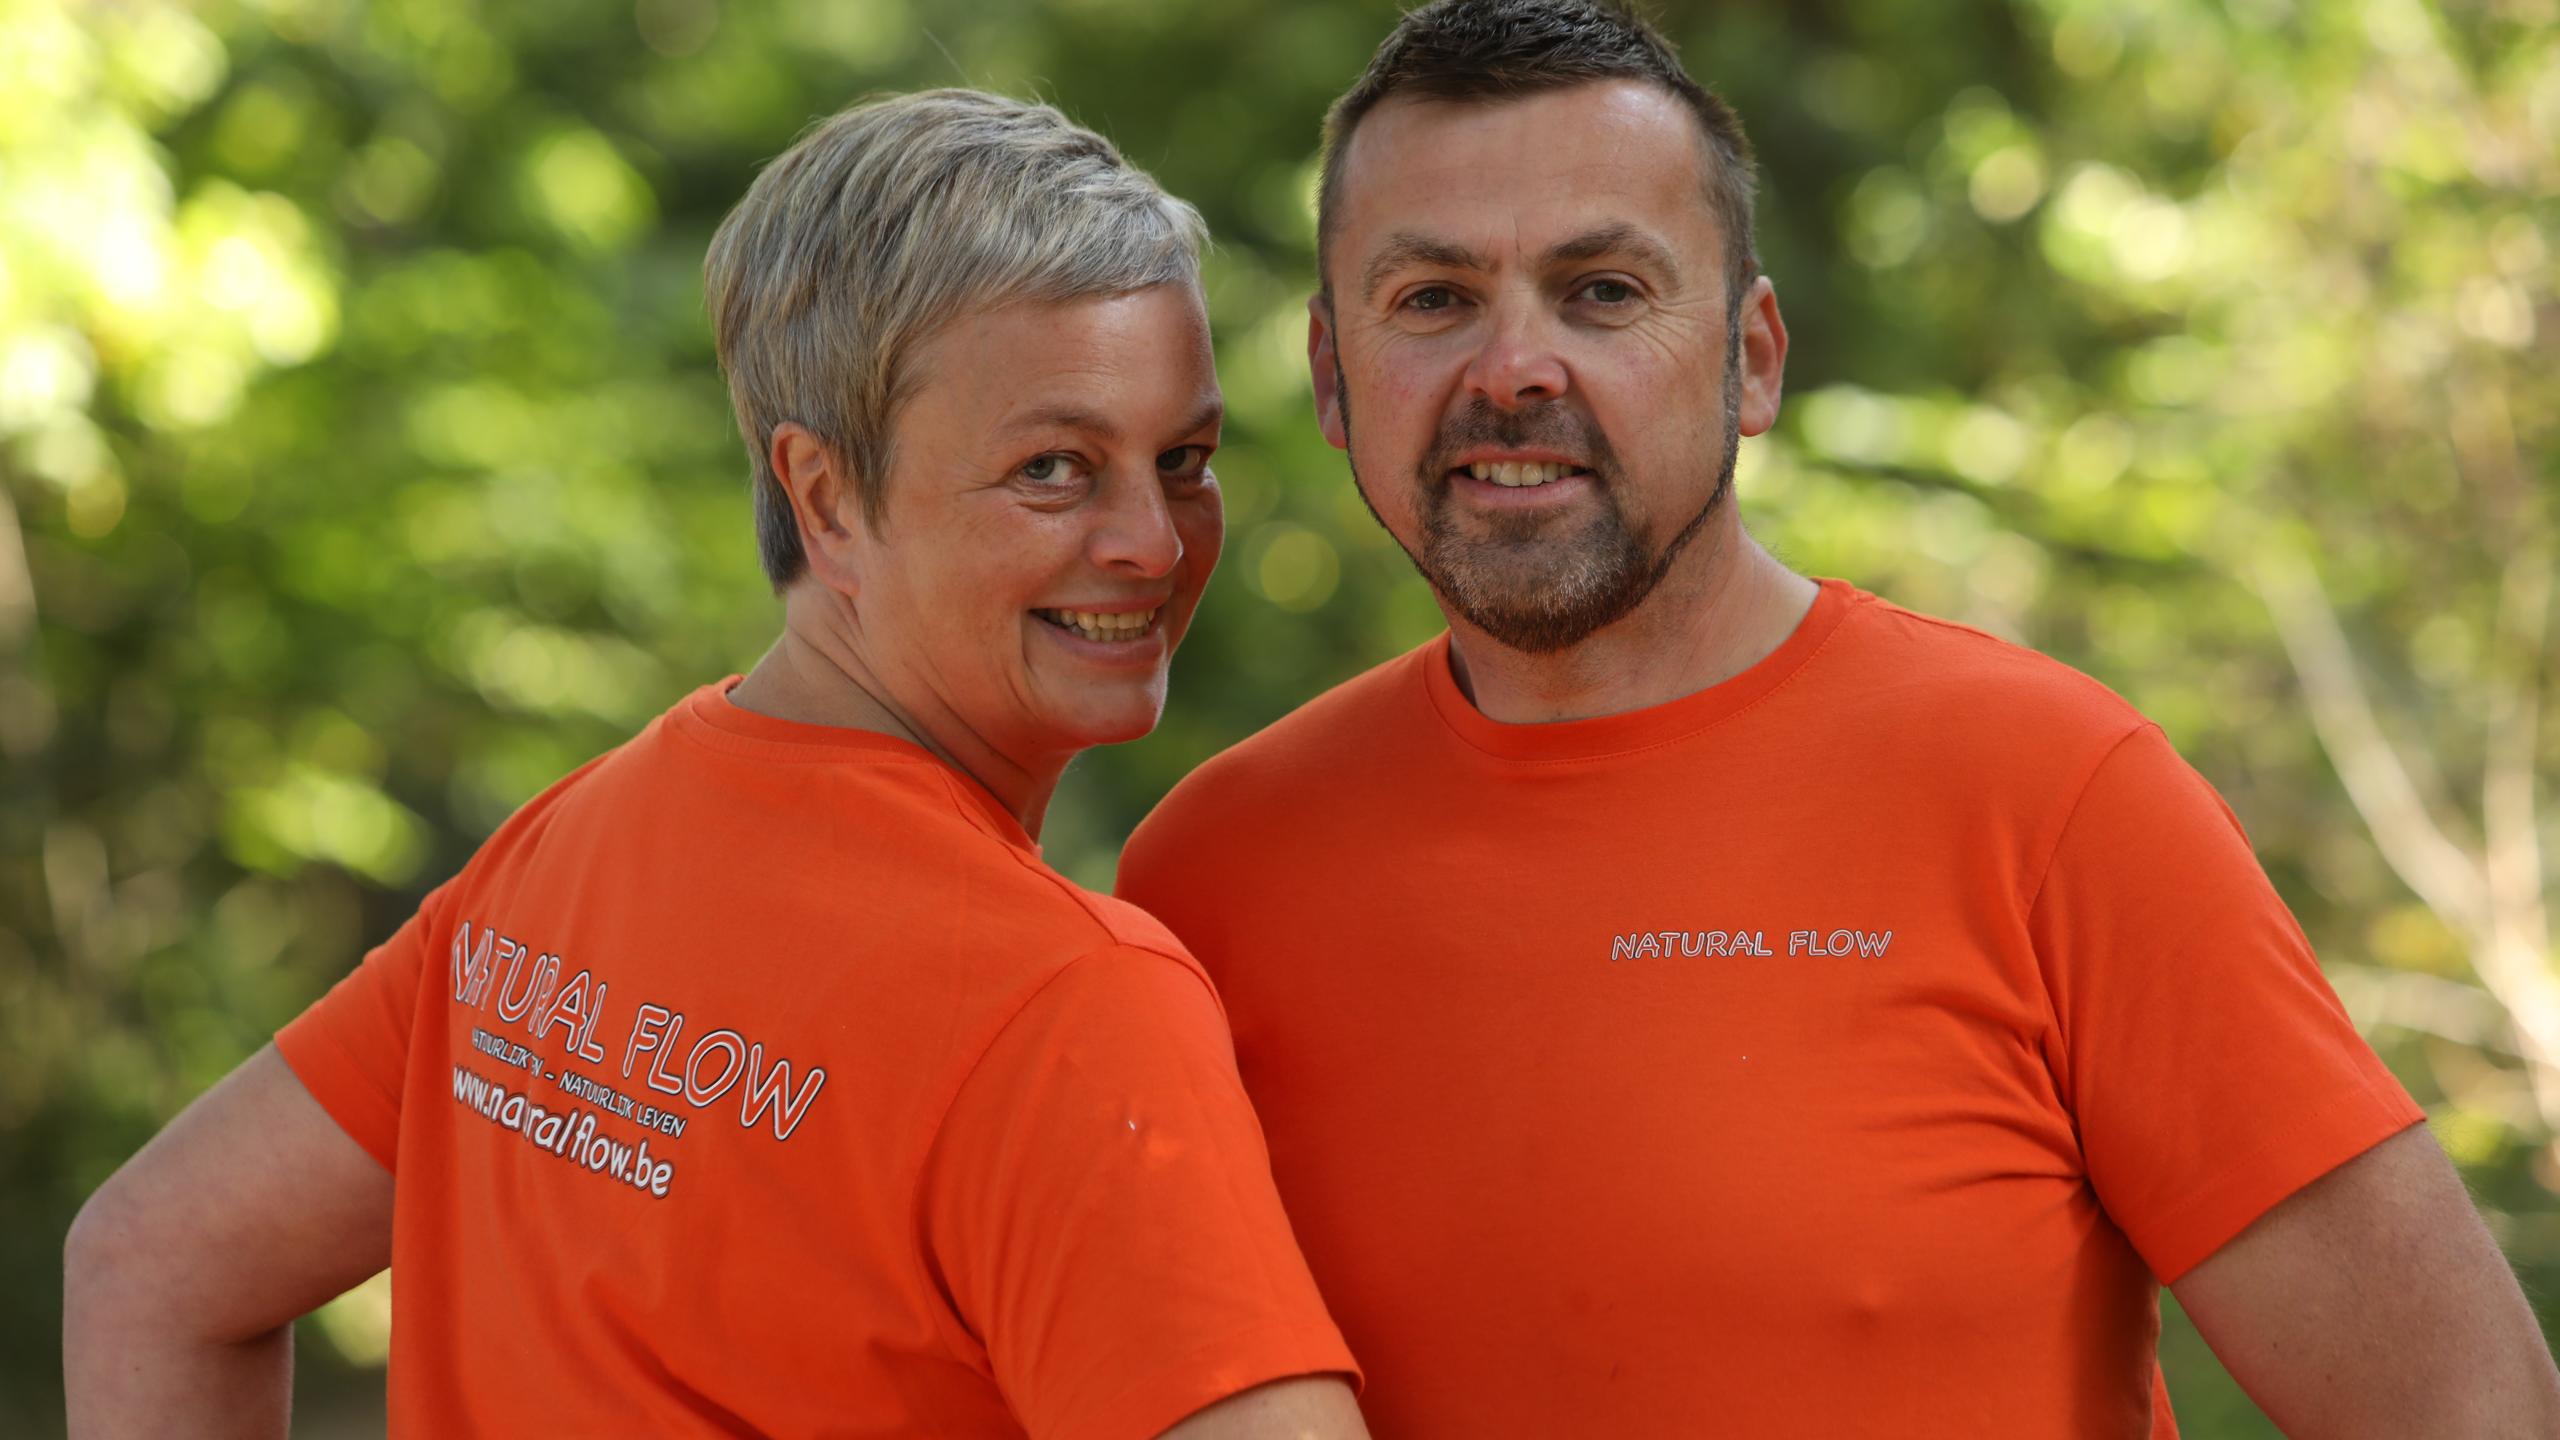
(1202, 521)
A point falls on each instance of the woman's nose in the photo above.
(1133, 532)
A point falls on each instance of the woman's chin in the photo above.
(1115, 721)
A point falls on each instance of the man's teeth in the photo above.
(1102, 624)
(1518, 473)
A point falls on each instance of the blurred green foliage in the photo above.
(363, 465)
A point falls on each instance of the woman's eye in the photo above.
(1050, 470)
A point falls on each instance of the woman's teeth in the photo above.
(1103, 624)
(1519, 473)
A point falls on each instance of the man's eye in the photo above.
(1184, 461)
(1430, 297)
(1610, 292)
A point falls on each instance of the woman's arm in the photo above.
(1309, 1407)
(184, 1273)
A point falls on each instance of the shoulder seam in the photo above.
(2013, 647)
(1943, 623)
(2034, 894)
(762, 752)
(1074, 894)
(932, 1138)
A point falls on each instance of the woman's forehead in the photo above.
(1138, 362)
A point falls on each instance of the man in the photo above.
(1690, 999)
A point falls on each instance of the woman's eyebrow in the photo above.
(1103, 427)
(1211, 411)
(1063, 417)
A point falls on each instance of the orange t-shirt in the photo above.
(758, 1078)
(1840, 1050)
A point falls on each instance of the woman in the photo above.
(758, 1077)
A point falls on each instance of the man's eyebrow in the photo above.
(1408, 247)
(1621, 238)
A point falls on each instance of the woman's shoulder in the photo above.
(1077, 921)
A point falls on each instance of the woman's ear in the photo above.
(824, 503)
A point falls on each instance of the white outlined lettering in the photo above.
(471, 969)
(512, 1009)
(698, 1094)
(560, 1006)
(772, 1089)
(648, 1032)
(567, 1007)
(583, 1042)
(658, 1077)
(1718, 944)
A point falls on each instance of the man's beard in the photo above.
(1535, 591)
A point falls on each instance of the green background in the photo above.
(363, 465)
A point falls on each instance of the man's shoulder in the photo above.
(1934, 674)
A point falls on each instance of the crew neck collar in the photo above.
(710, 716)
(1604, 735)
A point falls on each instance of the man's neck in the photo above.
(1725, 606)
(816, 675)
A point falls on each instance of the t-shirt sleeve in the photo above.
(1098, 1206)
(350, 1049)
(2209, 1066)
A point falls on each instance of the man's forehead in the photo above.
(1417, 163)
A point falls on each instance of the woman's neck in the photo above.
(816, 674)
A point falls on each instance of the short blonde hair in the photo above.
(885, 223)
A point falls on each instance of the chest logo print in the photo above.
(1691, 944)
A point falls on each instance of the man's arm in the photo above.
(184, 1273)
(2373, 1303)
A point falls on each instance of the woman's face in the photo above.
(1050, 521)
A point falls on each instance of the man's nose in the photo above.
(1133, 532)
(1519, 364)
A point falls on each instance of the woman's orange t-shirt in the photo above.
(759, 1078)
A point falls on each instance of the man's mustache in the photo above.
(1556, 427)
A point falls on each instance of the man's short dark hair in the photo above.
(1464, 51)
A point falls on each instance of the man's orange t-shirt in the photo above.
(1841, 1050)
(758, 1078)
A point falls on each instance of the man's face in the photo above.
(1531, 322)
(1051, 520)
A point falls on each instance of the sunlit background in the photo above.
(363, 466)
